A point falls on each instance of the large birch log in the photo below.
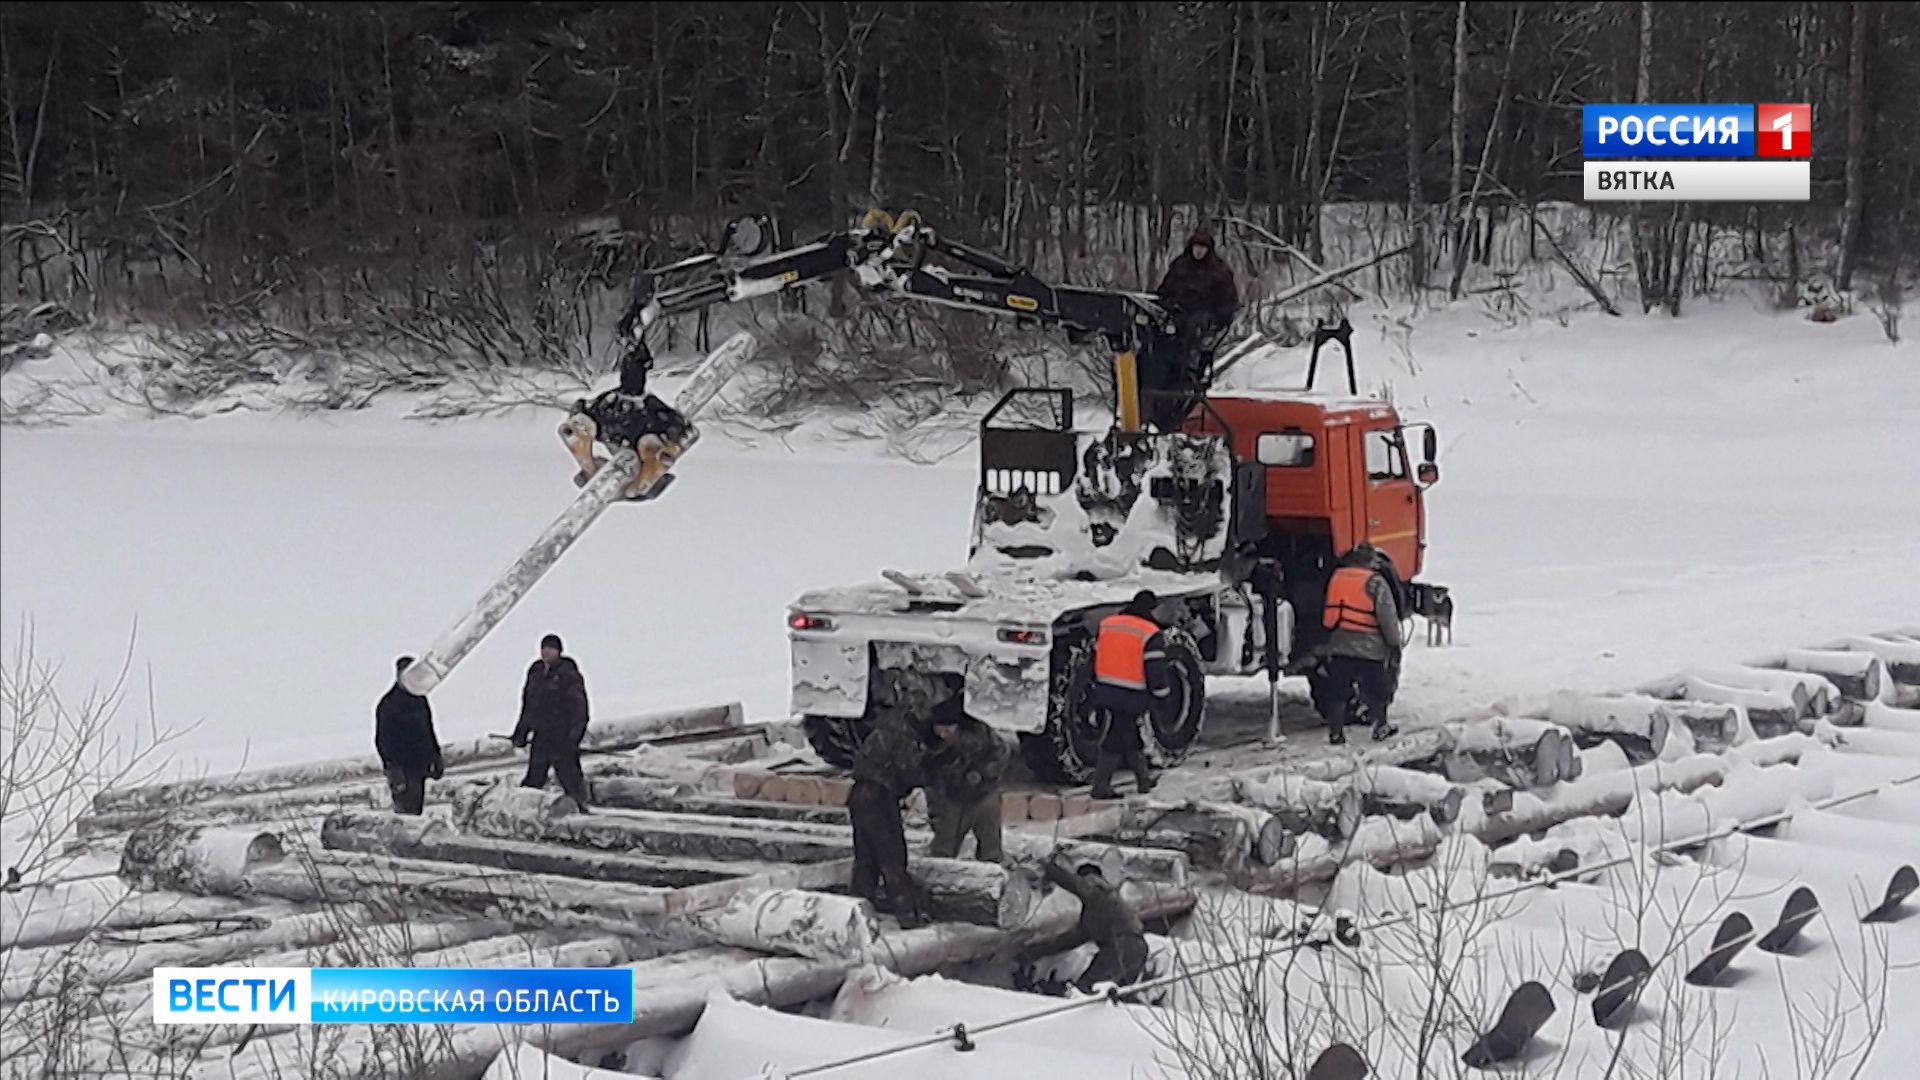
(1423, 746)
(1301, 804)
(1386, 841)
(1637, 724)
(604, 735)
(792, 921)
(1406, 793)
(645, 793)
(80, 915)
(1516, 751)
(1901, 658)
(1212, 835)
(1117, 862)
(1857, 674)
(672, 991)
(34, 971)
(1812, 695)
(428, 838)
(1770, 712)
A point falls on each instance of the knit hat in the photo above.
(1201, 237)
(552, 641)
(403, 663)
(1142, 604)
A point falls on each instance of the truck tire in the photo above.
(1066, 751)
(834, 738)
(1177, 718)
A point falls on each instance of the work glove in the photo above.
(519, 740)
(438, 769)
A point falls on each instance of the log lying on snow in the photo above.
(1301, 804)
(436, 840)
(1856, 674)
(1219, 836)
(787, 921)
(34, 971)
(1900, 657)
(1812, 695)
(1638, 725)
(1371, 789)
(1771, 711)
(964, 890)
(647, 793)
(1517, 751)
(79, 917)
(1423, 746)
(604, 735)
(1384, 841)
(671, 992)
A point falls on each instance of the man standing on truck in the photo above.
(1198, 290)
(891, 762)
(1130, 675)
(403, 736)
(1363, 646)
(553, 717)
(964, 770)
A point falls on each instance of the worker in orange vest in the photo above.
(1129, 673)
(1363, 645)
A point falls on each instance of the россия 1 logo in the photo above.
(1731, 152)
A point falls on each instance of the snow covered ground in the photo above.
(1618, 497)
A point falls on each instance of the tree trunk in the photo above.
(1212, 835)
(434, 840)
(1469, 216)
(1416, 214)
(1854, 210)
(1518, 752)
(1302, 805)
(1457, 112)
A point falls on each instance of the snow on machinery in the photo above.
(1235, 518)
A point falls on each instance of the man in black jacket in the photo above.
(403, 736)
(553, 717)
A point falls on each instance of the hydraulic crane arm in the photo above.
(907, 260)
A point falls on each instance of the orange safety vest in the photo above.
(1120, 651)
(1349, 605)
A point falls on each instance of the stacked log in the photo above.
(1857, 675)
(436, 840)
(1772, 709)
(1516, 751)
(1301, 804)
(966, 891)
(1218, 836)
(1638, 725)
(1386, 841)
(1901, 658)
(648, 793)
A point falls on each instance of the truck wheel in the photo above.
(1065, 752)
(835, 739)
(1177, 717)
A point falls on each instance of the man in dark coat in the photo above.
(963, 790)
(1130, 674)
(1199, 288)
(403, 736)
(1105, 920)
(553, 717)
(891, 762)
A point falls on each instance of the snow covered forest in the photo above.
(466, 182)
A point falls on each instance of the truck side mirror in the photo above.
(1428, 474)
(1430, 445)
